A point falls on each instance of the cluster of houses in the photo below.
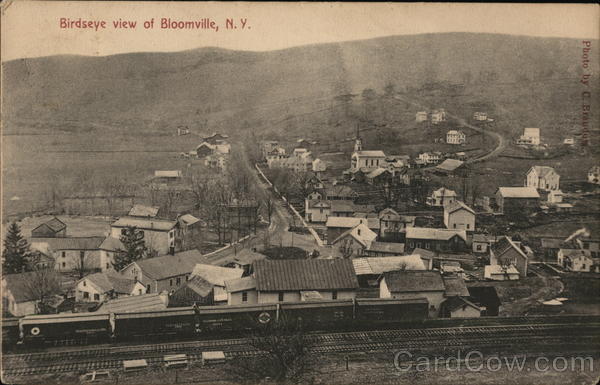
(300, 160)
(214, 150)
(436, 116)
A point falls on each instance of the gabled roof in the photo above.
(145, 223)
(198, 285)
(71, 243)
(143, 211)
(455, 286)
(340, 190)
(456, 303)
(347, 222)
(360, 232)
(518, 192)
(505, 245)
(189, 219)
(247, 257)
(111, 244)
(387, 247)
(530, 131)
(375, 173)
(437, 234)
(389, 214)
(240, 284)
(19, 285)
(216, 275)
(380, 265)
(54, 224)
(450, 165)
(457, 205)
(305, 274)
(375, 153)
(107, 282)
(134, 303)
(442, 191)
(414, 281)
(171, 265)
(542, 171)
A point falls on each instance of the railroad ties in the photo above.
(17, 365)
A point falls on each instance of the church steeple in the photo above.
(358, 141)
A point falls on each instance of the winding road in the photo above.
(501, 141)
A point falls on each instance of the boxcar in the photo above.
(385, 311)
(237, 318)
(75, 328)
(10, 333)
(321, 315)
(174, 322)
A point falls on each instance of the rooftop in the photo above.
(54, 224)
(431, 233)
(199, 285)
(240, 284)
(455, 286)
(380, 265)
(457, 205)
(145, 223)
(414, 281)
(542, 171)
(171, 265)
(374, 153)
(107, 282)
(313, 274)
(70, 243)
(20, 285)
(216, 275)
(450, 165)
(143, 211)
(518, 192)
(387, 247)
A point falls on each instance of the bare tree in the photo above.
(283, 357)
(41, 286)
(269, 206)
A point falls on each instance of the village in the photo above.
(293, 228)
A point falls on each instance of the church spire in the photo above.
(358, 141)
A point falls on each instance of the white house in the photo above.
(421, 116)
(480, 116)
(100, 287)
(319, 165)
(458, 215)
(355, 241)
(316, 210)
(456, 137)
(555, 196)
(575, 260)
(160, 235)
(531, 136)
(73, 253)
(430, 157)
(367, 160)
(594, 175)
(542, 178)
(277, 281)
(438, 116)
(441, 197)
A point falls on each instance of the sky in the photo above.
(32, 28)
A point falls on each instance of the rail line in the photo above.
(501, 336)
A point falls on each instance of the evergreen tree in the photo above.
(134, 248)
(16, 251)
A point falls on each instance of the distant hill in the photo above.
(209, 83)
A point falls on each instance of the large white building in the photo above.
(543, 178)
(531, 136)
(367, 160)
(456, 137)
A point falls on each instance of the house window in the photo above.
(108, 265)
(86, 294)
(178, 281)
(171, 234)
(334, 294)
(244, 296)
(170, 282)
(64, 254)
(280, 299)
(468, 226)
(81, 254)
(140, 291)
(147, 288)
(358, 232)
(64, 264)
(96, 297)
(478, 247)
(84, 283)
(455, 225)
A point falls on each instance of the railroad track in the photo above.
(506, 336)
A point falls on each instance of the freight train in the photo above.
(211, 321)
